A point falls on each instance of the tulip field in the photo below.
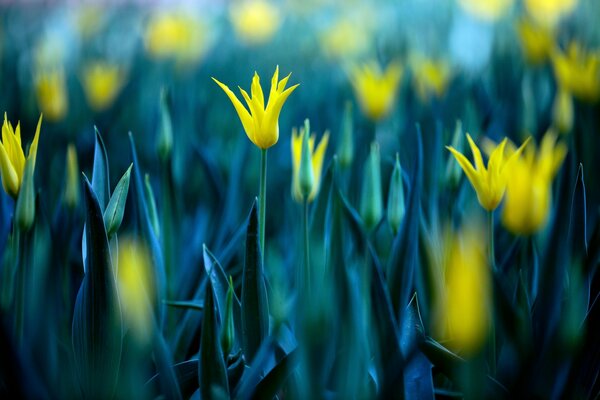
(285, 199)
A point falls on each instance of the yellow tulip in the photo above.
(12, 157)
(431, 77)
(578, 72)
(316, 156)
(529, 190)
(255, 21)
(261, 124)
(176, 36)
(51, 93)
(344, 39)
(489, 183)
(536, 41)
(467, 293)
(135, 287)
(487, 10)
(549, 12)
(102, 82)
(375, 89)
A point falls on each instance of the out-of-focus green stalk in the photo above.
(20, 244)
(491, 253)
(307, 283)
(262, 199)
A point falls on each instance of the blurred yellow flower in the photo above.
(261, 124)
(578, 72)
(529, 190)
(536, 40)
(134, 279)
(431, 77)
(254, 21)
(51, 93)
(176, 36)
(549, 12)
(487, 10)
(102, 82)
(376, 89)
(344, 39)
(489, 183)
(317, 157)
(467, 304)
(12, 157)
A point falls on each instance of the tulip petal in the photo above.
(256, 91)
(476, 154)
(473, 175)
(34, 145)
(10, 179)
(317, 164)
(243, 113)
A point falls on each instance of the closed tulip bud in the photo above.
(396, 208)
(228, 332)
(371, 205)
(165, 134)
(306, 177)
(72, 185)
(562, 111)
(346, 147)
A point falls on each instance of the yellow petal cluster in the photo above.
(536, 40)
(486, 10)
(376, 89)
(176, 36)
(489, 182)
(261, 123)
(12, 157)
(317, 157)
(51, 93)
(135, 287)
(578, 72)
(345, 39)
(529, 190)
(467, 291)
(549, 12)
(255, 21)
(431, 77)
(102, 82)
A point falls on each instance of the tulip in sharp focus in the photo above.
(12, 157)
(578, 72)
(255, 21)
(529, 189)
(316, 162)
(489, 182)
(102, 82)
(261, 123)
(376, 89)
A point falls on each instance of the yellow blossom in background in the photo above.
(136, 287)
(254, 21)
(431, 77)
(12, 157)
(51, 93)
(102, 82)
(549, 12)
(176, 36)
(487, 10)
(88, 20)
(345, 39)
(261, 123)
(467, 298)
(578, 72)
(536, 40)
(317, 157)
(489, 183)
(529, 189)
(376, 89)
(562, 111)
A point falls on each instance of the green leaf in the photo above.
(100, 176)
(212, 374)
(113, 215)
(188, 305)
(269, 386)
(578, 218)
(186, 374)
(25, 208)
(255, 311)
(97, 324)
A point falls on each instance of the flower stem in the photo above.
(262, 199)
(307, 282)
(491, 253)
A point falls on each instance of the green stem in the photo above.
(491, 253)
(262, 199)
(306, 248)
(20, 292)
